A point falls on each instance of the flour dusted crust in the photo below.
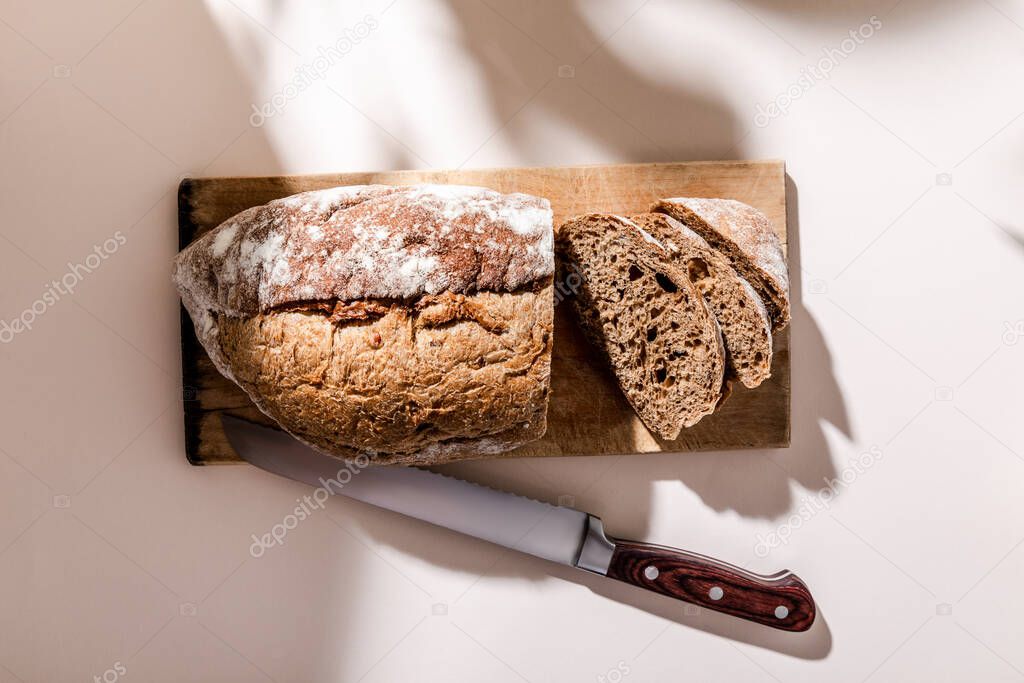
(745, 236)
(412, 324)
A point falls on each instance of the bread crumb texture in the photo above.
(745, 237)
(741, 314)
(651, 324)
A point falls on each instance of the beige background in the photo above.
(118, 560)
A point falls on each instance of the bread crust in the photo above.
(745, 236)
(410, 324)
(445, 377)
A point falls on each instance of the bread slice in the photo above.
(646, 317)
(746, 328)
(745, 236)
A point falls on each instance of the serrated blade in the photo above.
(522, 524)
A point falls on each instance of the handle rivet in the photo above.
(781, 612)
(716, 593)
(651, 572)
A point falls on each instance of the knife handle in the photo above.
(780, 600)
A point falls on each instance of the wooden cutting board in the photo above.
(588, 415)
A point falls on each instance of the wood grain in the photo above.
(781, 601)
(587, 415)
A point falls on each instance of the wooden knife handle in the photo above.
(781, 600)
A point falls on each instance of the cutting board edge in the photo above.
(190, 180)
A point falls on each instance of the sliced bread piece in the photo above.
(745, 236)
(740, 312)
(646, 318)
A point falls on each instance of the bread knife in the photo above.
(558, 534)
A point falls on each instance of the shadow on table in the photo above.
(755, 483)
(679, 124)
(844, 15)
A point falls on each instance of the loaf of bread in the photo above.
(650, 323)
(409, 324)
(745, 237)
(746, 328)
